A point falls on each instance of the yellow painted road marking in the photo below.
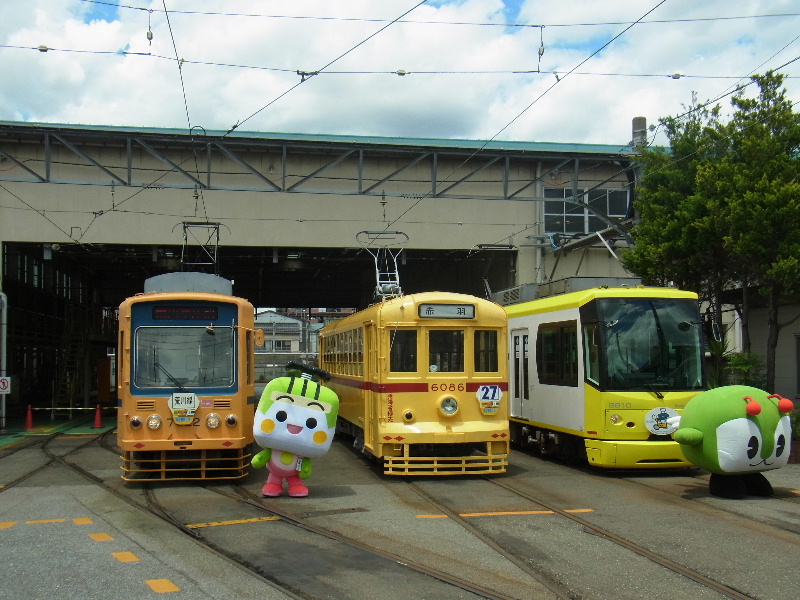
(7, 524)
(160, 586)
(125, 556)
(236, 522)
(496, 514)
(46, 521)
(101, 537)
(82, 521)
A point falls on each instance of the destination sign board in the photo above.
(447, 311)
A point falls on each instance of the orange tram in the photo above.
(422, 381)
(186, 380)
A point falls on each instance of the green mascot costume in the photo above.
(736, 432)
(295, 420)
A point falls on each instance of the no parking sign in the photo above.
(5, 385)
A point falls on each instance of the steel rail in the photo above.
(521, 563)
(51, 457)
(153, 505)
(244, 495)
(633, 547)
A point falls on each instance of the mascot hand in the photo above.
(262, 458)
(688, 436)
(305, 469)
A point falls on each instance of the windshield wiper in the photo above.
(171, 378)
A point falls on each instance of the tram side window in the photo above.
(446, 351)
(403, 354)
(485, 351)
(557, 353)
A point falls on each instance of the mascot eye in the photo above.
(752, 447)
(281, 415)
(780, 445)
(311, 423)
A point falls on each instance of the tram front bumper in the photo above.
(639, 454)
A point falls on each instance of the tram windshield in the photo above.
(183, 357)
(650, 343)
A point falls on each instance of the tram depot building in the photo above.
(88, 213)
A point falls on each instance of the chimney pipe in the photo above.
(639, 131)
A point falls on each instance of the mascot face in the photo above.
(296, 415)
(736, 430)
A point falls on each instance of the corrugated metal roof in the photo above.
(455, 144)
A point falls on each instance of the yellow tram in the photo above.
(422, 383)
(596, 374)
(186, 380)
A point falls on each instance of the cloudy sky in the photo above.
(527, 70)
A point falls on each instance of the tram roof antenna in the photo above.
(385, 247)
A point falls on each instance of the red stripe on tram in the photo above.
(381, 388)
(472, 386)
(396, 388)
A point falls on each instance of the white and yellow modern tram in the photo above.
(596, 374)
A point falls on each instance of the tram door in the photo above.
(373, 377)
(520, 389)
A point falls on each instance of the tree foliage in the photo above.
(721, 208)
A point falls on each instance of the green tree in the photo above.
(754, 187)
(676, 235)
(722, 207)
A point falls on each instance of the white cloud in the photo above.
(461, 81)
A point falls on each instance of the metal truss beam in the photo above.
(31, 151)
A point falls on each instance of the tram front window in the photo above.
(485, 351)
(403, 351)
(183, 357)
(650, 343)
(446, 351)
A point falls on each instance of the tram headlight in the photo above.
(213, 420)
(153, 422)
(231, 420)
(135, 422)
(448, 406)
(615, 419)
(408, 415)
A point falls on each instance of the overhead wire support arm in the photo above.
(205, 253)
(385, 247)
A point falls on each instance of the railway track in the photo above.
(331, 546)
(719, 571)
(50, 456)
(658, 559)
(148, 498)
(459, 582)
(331, 543)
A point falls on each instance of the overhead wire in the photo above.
(401, 72)
(179, 62)
(460, 23)
(293, 87)
(573, 72)
(529, 106)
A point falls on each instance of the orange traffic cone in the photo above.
(29, 419)
(98, 419)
